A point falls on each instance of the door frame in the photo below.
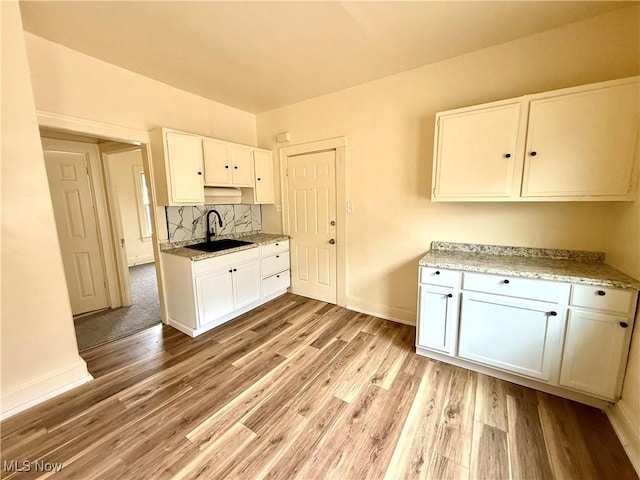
(117, 232)
(118, 133)
(339, 145)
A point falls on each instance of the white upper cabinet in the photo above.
(227, 164)
(217, 163)
(477, 152)
(263, 162)
(574, 144)
(582, 144)
(242, 166)
(178, 167)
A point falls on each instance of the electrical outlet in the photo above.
(278, 208)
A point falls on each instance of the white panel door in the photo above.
(476, 153)
(311, 218)
(518, 336)
(583, 143)
(76, 223)
(593, 352)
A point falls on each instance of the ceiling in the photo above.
(257, 56)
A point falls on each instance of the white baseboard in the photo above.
(387, 312)
(627, 431)
(32, 393)
(140, 260)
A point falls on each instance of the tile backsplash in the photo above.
(188, 223)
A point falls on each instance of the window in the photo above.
(144, 206)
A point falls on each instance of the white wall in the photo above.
(389, 124)
(39, 350)
(122, 167)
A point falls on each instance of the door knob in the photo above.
(332, 241)
(333, 223)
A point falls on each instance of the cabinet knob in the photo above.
(553, 314)
(226, 166)
(235, 166)
(450, 295)
(277, 276)
(533, 154)
(624, 324)
(507, 155)
(437, 272)
(277, 244)
(230, 271)
(602, 293)
(235, 269)
(277, 256)
(506, 281)
(258, 178)
(199, 173)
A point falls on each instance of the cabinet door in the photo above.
(582, 144)
(185, 168)
(594, 349)
(246, 283)
(475, 153)
(263, 163)
(217, 163)
(214, 293)
(516, 336)
(241, 166)
(437, 317)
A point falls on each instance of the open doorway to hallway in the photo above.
(103, 217)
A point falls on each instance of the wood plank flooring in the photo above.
(301, 389)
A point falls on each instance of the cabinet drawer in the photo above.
(438, 276)
(275, 283)
(542, 290)
(208, 264)
(275, 264)
(603, 298)
(277, 247)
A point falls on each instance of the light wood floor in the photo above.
(301, 389)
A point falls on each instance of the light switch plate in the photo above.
(278, 208)
(350, 207)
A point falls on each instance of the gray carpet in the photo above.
(108, 325)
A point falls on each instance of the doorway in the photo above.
(99, 189)
(314, 207)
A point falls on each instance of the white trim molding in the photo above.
(44, 388)
(627, 431)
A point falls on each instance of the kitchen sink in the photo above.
(218, 245)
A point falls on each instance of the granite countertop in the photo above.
(587, 268)
(257, 239)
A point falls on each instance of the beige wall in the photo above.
(71, 83)
(39, 350)
(389, 124)
(121, 170)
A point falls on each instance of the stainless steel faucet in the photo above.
(209, 234)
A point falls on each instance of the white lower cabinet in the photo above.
(202, 294)
(570, 340)
(276, 273)
(518, 336)
(436, 329)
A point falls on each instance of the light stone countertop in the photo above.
(587, 268)
(257, 239)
